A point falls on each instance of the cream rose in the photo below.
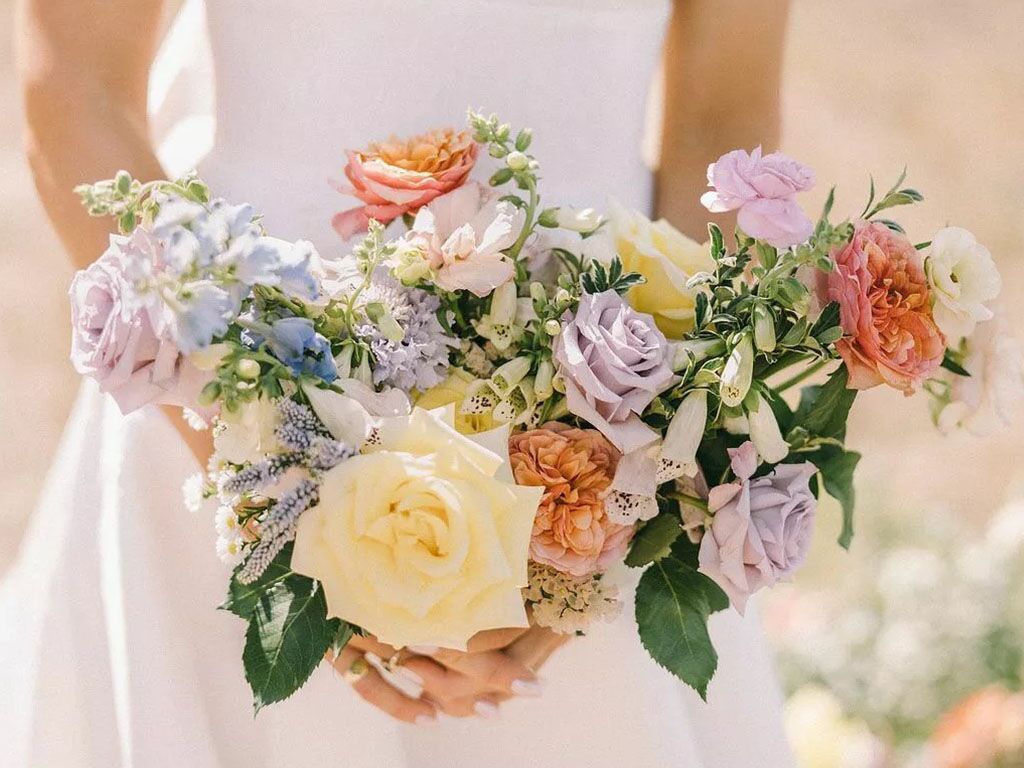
(667, 258)
(424, 539)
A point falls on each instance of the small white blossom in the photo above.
(567, 604)
(226, 522)
(192, 491)
(229, 550)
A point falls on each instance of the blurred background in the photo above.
(920, 628)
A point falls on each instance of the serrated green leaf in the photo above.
(342, 635)
(654, 540)
(837, 467)
(824, 408)
(673, 603)
(287, 637)
(242, 599)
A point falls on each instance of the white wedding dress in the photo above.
(112, 654)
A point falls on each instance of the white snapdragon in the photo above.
(738, 372)
(686, 430)
(582, 220)
(963, 279)
(765, 433)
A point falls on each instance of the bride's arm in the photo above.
(722, 61)
(84, 67)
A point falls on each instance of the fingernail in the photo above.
(527, 687)
(409, 675)
(486, 709)
(424, 650)
(424, 720)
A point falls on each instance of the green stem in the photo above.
(803, 375)
(531, 210)
(784, 362)
(693, 501)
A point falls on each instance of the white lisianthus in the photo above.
(765, 433)
(985, 401)
(963, 278)
(686, 430)
(581, 220)
(433, 530)
(247, 434)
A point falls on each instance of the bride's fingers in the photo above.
(494, 639)
(534, 648)
(368, 683)
(492, 671)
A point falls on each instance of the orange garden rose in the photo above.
(399, 176)
(985, 727)
(885, 310)
(571, 533)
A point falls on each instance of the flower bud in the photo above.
(537, 292)
(503, 304)
(343, 361)
(686, 430)
(517, 161)
(701, 349)
(552, 327)
(738, 373)
(510, 374)
(562, 296)
(390, 327)
(558, 383)
(208, 358)
(247, 368)
(764, 328)
(582, 220)
(765, 433)
(542, 382)
(209, 394)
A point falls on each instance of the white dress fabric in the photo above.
(112, 654)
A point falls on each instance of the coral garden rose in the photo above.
(461, 237)
(885, 310)
(762, 189)
(667, 259)
(572, 532)
(124, 344)
(614, 363)
(761, 528)
(398, 176)
(424, 538)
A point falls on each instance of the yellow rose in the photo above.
(424, 540)
(667, 258)
(451, 391)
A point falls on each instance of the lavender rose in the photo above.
(614, 362)
(113, 336)
(761, 529)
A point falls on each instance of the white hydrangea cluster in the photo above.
(569, 604)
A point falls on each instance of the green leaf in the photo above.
(837, 466)
(673, 602)
(342, 635)
(823, 409)
(654, 540)
(828, 319)
(950, 364)
(287, 637)
(242, 599)
(717, 242)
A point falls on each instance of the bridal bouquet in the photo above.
(475, 417)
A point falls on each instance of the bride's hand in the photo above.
(455, 683)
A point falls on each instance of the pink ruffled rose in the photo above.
(614, 361)
(115, 338)
(885, 310)
(761, 528)
(462, 236)
(762, 188)
(397, 176)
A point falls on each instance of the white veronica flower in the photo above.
(963, 278)
(985, 401)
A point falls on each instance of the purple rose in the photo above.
(113, 339)
(613, 360)
(761, 529)
(763, 189)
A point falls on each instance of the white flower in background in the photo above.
(247, 435)
(985, 401)
(822, 737)
(192, 491)
(963, 278)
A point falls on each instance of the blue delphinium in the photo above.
(419, 360)
(295, 342)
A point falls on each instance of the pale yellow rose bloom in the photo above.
(667, 258)
(452, 391)
(425, 539)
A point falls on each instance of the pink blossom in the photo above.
(395, 177)
(763, 190)
(118, 341)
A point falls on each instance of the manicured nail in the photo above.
(409, 675)
(424, 720)
(486, 709)
(424, 650)
(527, 687)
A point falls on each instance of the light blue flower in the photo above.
(201, 313)
(295, 343)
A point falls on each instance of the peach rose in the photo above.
(985, 727)
(880, 284)
(395, 177)
(571, 533)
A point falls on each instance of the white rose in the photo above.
(423, 539)
(985, 401)
(963, 278)
(247, 435)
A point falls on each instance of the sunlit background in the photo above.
(877, 645)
